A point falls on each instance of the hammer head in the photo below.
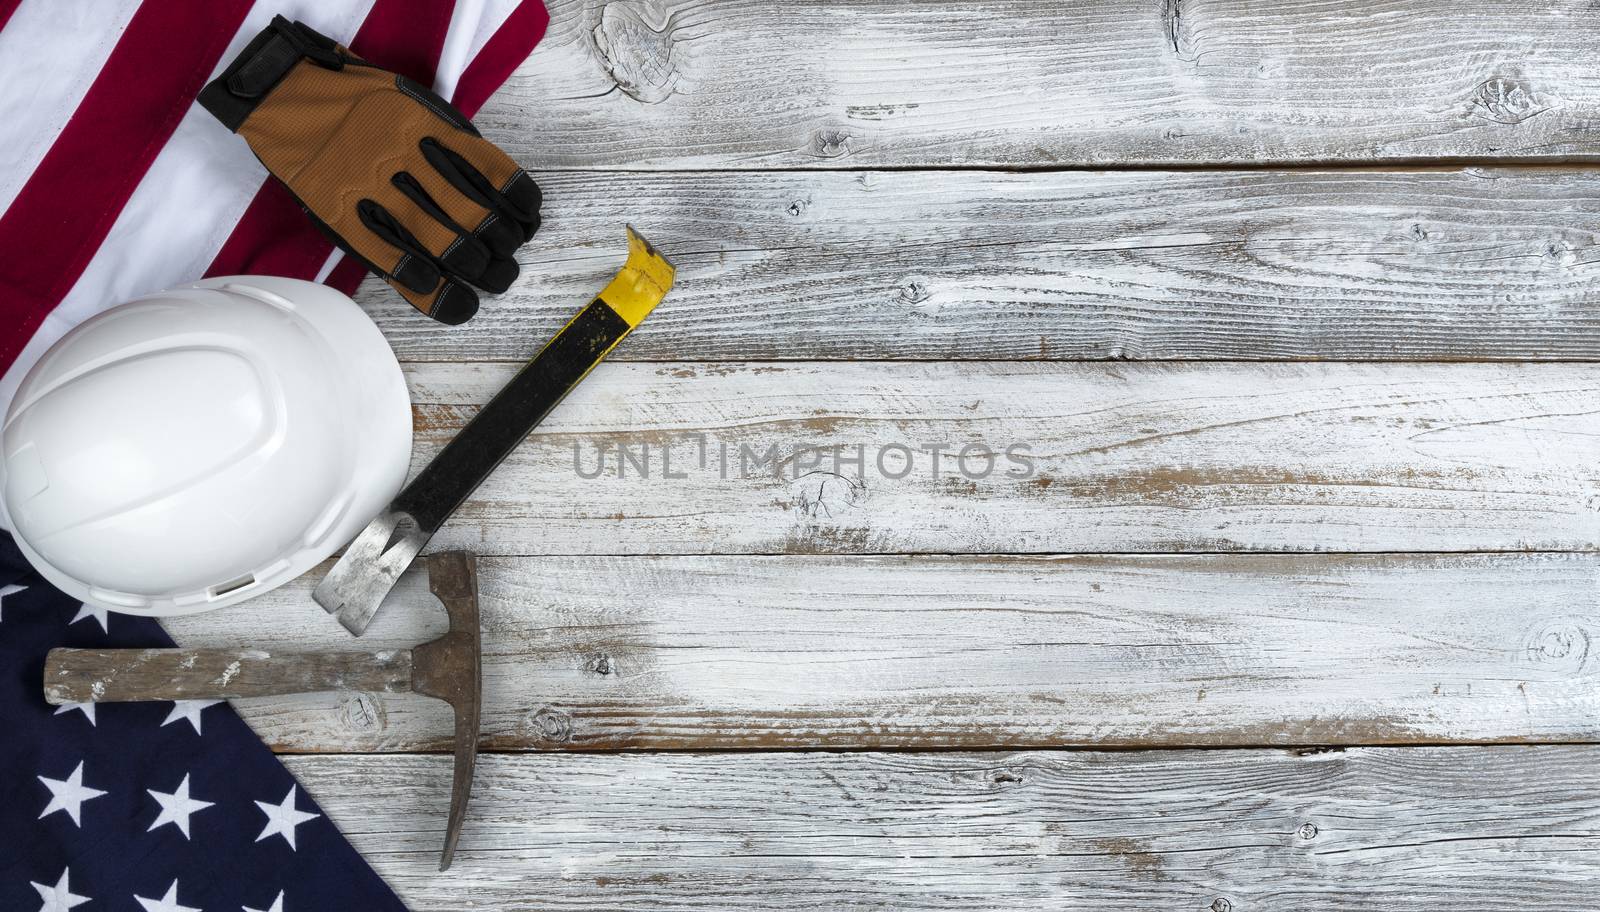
(451, 669)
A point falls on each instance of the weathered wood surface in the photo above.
(1138, 457)
(851, 83)
(1463, 829)
(596, 653)
(1473, 264)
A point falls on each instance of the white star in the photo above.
(10, 590)
(283, 818)
(176, 807)
(86, 708)
(188, 709)
(277, 905)
(87, 611)
(59, 899)
(168, 903)
(68, 795)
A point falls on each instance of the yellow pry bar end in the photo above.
(641, 283)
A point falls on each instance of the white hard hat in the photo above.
(200, 446)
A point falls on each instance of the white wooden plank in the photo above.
(741, 84)
(1493, 264)
(1148, 457)
(1464, 829)
(597, 653)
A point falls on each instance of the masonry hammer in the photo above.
(449, 668)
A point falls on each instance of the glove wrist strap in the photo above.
(232, 96)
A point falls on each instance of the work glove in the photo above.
(391, 172)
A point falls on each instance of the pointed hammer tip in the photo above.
(448, 856)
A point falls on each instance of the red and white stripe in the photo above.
(114, 184)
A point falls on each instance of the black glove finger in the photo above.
(420, 275)
(498, 275)
(502, 235)
(455, 304)
(467, 256)
(417, 269)
(523, 195)
(451, 303)
(518, 201)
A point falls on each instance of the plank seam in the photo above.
(1302, 750)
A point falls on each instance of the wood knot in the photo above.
(823, 495)
(1561, 644)
(1561, 251)
(913, 293)
(636, 52)
(361, 712)
(1222, 904)
(830, 143)
(600, 664)
(1506, 100)
(551, 725)
(1307, 831)
(1175, 29)
(1006, 777)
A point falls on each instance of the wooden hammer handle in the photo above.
(130, 675)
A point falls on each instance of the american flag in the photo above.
(160, 807)
(114, 184)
